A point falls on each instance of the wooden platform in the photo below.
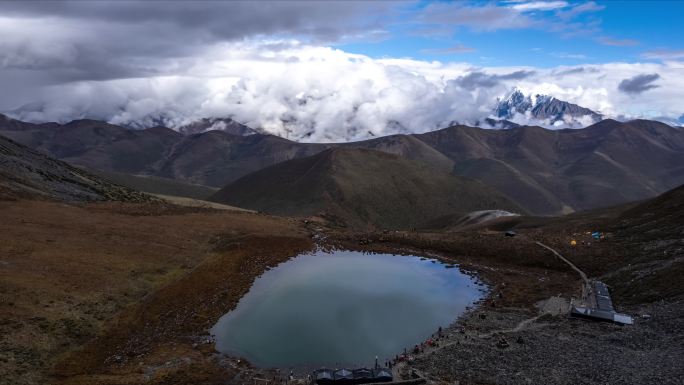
(599, 306)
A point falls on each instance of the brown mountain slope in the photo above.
(642, 255)
(26, 173)
(360, 187)
(212, 158)
(97, 145)
(409, 147)
(651, 236)
(548, 172)
(551, 172)
(216, 158)
(158, 185)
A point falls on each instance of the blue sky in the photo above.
(615, 31)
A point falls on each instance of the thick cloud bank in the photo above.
(314, 93)
(271, 66)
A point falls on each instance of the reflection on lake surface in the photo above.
(343, 308)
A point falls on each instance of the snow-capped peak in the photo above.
(543, 110)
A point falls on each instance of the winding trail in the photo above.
(520, 326)
(562, 258)
(588, 297)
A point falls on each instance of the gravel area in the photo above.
(560, 349)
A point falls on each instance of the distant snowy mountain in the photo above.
(221, 124)
(543, 110)
(496, 123)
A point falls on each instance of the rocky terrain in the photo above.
(584, 352)
(28, 173)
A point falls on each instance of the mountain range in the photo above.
(546, 172)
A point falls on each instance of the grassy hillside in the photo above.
(360, 188)
(158, 185)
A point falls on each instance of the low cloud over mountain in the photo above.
(289, 70)
(313, 93)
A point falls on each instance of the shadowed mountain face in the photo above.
(652, 233)
(26, 173)
(213, 158)
(158, 185)
(97, 145)
(554, 109)
(551, 172)
(548, 172)
(358, 187)
(409, 147)
(216, 158)
(657, 219)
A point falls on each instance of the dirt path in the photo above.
(588, 297)
(562, 258)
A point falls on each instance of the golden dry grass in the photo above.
(69, 274)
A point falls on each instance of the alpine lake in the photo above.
(344, 308)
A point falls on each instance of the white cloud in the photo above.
(540, 6)
(664, 54)
(316, 93)
(574, 56)
(579, 9)
(455, 49)
(482, 18)
(605, 40)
